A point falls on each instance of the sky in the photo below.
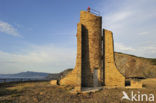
(40, 35)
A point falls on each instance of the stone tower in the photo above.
(91, 49)
(95, 64)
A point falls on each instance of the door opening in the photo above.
(95, 77)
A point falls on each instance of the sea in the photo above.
(19, 79)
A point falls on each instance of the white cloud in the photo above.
(8, 29)
(38, 58)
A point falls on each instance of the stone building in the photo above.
(95, 65)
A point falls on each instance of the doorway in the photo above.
(95, 78)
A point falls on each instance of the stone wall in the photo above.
(112, 77)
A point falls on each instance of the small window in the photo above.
(127, 83)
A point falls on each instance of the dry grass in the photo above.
(43, 92)
(149, 83)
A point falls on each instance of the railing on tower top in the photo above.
(93, 11)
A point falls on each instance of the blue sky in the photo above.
(40, 35)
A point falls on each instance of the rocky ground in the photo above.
(43, 92)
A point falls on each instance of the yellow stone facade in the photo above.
(91, 48)
(112, 77)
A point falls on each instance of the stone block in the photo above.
(53, 82)
(134, 83)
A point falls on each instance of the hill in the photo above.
(133, 66)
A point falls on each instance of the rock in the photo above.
(53, 82)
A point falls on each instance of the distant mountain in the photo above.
(28, 74)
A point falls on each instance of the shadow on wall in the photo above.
(86, 72)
